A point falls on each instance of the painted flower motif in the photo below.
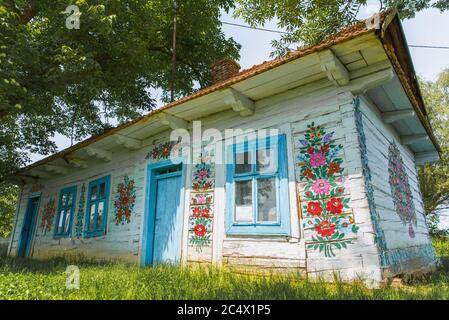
(328, 137)
(304, 143)
(154, 153)
(334, 167)
(196, 212)
(325, 149)
(321, 186)
(308, 174)
(325, 228)
(124, 203)
(301, 157)
(205, 213)
(314, 208)
(345, 226)
(335, 205)
(203, 174)
(200, 230)
(317, 160)
(400, 189)
(321, 153)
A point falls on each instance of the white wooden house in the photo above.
(331, 188)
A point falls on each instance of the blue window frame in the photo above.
(97, 207)
(66, 209)
(257, 187)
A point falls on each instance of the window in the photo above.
(97, 208)
(66, 208)
(257, 187)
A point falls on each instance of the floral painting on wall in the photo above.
(327, 212)
(48, 215)
(80, 213)
(125, 200)
(201, 204)
(400, 189)
(162, 151)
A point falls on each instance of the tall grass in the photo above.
(34, 279)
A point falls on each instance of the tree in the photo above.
(8, 198)
(71, 81)
(311, 21)
(434, 178)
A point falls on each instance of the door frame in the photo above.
(33, 225)
(146, 251)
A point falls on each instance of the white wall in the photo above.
(406, 253)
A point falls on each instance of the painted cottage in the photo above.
(306, 163)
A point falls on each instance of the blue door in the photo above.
(164, 232)
(26, 236)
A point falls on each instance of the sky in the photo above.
(429, 27)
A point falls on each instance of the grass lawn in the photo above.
(31, 279)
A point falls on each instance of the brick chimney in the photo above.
(224, 69)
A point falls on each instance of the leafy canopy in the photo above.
(311, 21)
(71, 82)
(434, 178)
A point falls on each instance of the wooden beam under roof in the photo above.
(335, 70)
(239, 102)
(394, 116)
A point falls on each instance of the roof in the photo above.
(390, 33)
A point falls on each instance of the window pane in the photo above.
(61, 220)
(102, 188)
(69, 199)
(63, 199)
(67, 222)
(243, 162)
(100, 215)
(266, 200)
(243, 201)
(267, 160)
(91, 216)
(93, 193)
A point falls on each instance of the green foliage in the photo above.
(441, 246)
(434, 178)
(310, 22)
(56, 80)
(37, 279)
(8, 199)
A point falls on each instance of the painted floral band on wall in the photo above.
(201, 204)
(162, 151)
(80, 214)
(400, 189)
(48, 215)
(327, 212)
(125, 200)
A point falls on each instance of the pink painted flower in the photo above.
(321, 186)
(203, 174)
(317, 159)
(201, 199)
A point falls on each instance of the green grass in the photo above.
(34, 279)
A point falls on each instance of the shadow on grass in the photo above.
(47, 266)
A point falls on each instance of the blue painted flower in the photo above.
(345, 226)
(304, 143)
(301, 157)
